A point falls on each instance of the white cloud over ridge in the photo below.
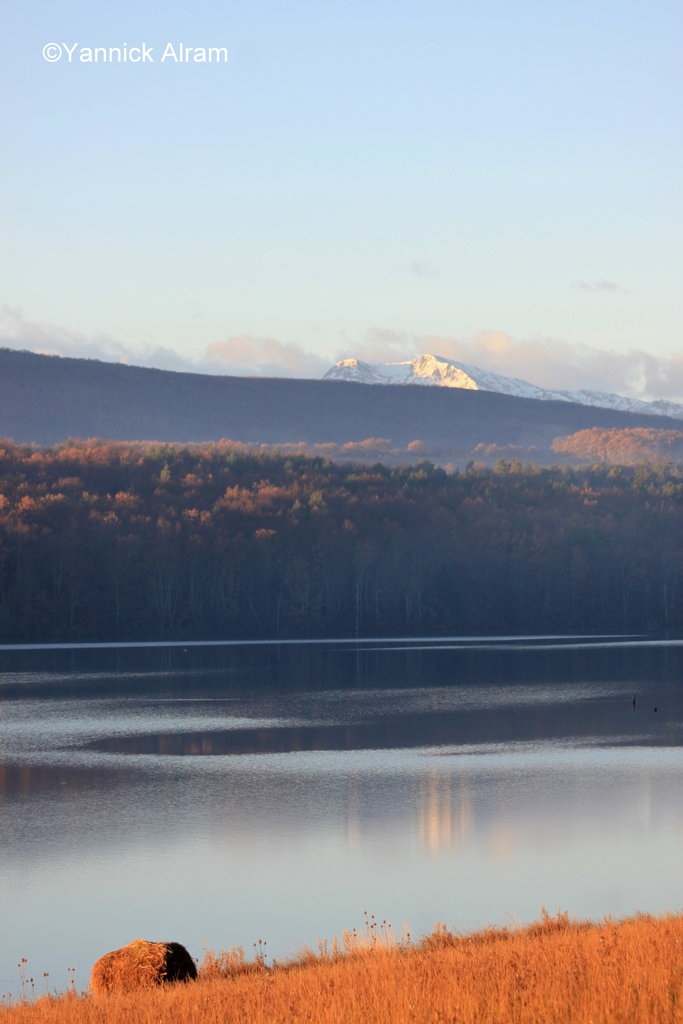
(241, 355)
(246, 354)
(54, 340)
(547, 362)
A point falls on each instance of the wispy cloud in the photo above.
(424, 268)
(51, 339)
(16, 331)
(246, 354)
(241, 355)
(385, 345)
(598, 286)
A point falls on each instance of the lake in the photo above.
(237, 794)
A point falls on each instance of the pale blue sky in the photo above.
(496, 182)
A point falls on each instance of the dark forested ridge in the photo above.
(119, 541)
(47, 399)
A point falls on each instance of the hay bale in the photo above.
(141, 964)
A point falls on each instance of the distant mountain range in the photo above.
(48, 399)
(437, 371)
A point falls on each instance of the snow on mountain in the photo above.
(437, 371)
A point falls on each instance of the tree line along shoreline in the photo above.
(120, 541)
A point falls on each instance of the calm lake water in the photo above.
(226, 794)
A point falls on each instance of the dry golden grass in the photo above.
(553, 972)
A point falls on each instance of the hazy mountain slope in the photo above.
(46, 399)
(437, 371)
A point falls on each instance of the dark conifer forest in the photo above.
(123, 541)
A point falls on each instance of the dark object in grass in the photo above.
(141, 964)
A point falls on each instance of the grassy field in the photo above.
(552, 972)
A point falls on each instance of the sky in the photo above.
(496, 182)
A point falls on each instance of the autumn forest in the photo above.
(128, 541)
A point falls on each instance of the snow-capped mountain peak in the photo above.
(437, 371)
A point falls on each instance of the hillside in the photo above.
(47, 399)
(555, 970)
